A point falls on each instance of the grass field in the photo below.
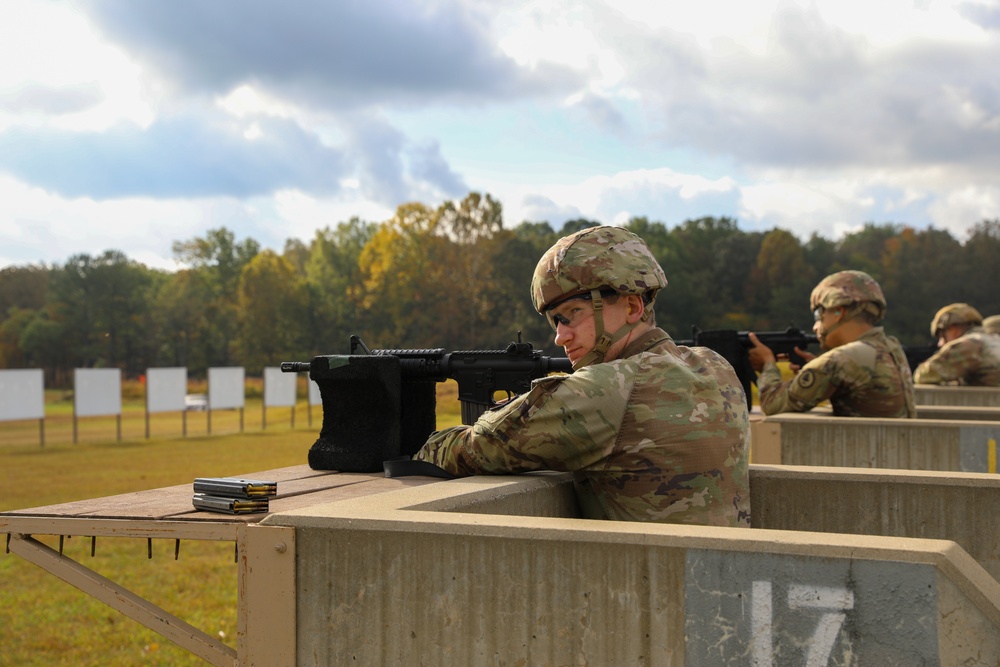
(46, 622)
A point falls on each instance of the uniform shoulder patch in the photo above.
(806, 378)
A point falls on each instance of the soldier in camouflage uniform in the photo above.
(969, 355)
(864, 372)
(651, 431)
(992, 324)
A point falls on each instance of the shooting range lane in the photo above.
(504, 578)
(334, 576)
(265, 556)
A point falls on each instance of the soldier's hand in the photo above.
(759, 354)
(806, 358)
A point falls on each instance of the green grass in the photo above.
(46, 622)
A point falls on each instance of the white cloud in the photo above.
(962, 206)
(48, 228)
(800, 207)
(298, 215)
(49, 51)
(159, 121)
(659, 194)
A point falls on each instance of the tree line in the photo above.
(452, 277)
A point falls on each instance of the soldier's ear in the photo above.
(633, 307)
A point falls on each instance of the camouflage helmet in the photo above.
(595, 258)
(992, 324)
(955, 313)
(848, 287)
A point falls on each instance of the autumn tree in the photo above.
(981, 266)
(507, 309)
(335, 287)
(103, 306)
(182, 319)
(23, 295)
(271, 302)
(915, 276)
(408, 282)
(692, 297)
(785, 280)
(475, 290)
(221, 258)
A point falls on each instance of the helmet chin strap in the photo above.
(604, 339)
(825, 332)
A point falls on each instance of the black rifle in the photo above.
(735, 347)
(381, 404)
(918, 354)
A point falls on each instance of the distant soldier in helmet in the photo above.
(652, 431)
(968, 354)
(863, 373)
(992, 324)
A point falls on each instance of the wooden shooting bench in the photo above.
(265, 555)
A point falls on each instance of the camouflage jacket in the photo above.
(972, 359)
(868, 377)
(661, 434)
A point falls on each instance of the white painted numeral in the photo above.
(834, 601)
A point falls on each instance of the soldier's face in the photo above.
(949, 334)
(825, 326)
(579, 337)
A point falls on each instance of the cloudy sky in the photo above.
(130, 125)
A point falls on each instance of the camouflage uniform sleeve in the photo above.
(812, 385)
(561, 423)
(927, 373)
(946, 365)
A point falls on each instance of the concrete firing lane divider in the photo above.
(498, 571)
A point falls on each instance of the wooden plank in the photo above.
(266, 618)
(128, 603)
(298, 487)
(175, 501)
(172, 500)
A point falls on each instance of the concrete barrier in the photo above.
(933, 394)
(485, 571)
(857, 442)
(958, 412)
(961, 507)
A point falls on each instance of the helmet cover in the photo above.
(841, 289)
(595, 258)
(955, 313)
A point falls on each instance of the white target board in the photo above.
(165, 389)
(279, 388)
(226, 388)
(97, 391)
(22, 394)
(314, 395)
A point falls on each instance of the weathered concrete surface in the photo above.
(961, 507)
(857, 442)
(930, 394)
(961, 412)
(412, 578)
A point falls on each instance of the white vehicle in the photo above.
(196, 402)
